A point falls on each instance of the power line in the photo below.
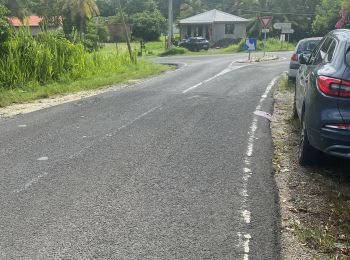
(270, 12)
(213, 5)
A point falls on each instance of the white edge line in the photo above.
(247, 172)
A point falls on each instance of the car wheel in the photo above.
(308, 155)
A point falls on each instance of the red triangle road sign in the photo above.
(265, 21)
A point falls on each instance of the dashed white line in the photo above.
(225, 71)
(31, 182)
(43, 158)
(246, 214)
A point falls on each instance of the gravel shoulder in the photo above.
(314, 201)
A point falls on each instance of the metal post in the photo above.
(170, 18)
(126, 32)
(265, 43)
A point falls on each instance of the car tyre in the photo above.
(307, 154)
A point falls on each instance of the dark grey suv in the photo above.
(322, 99)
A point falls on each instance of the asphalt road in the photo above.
(176, 167)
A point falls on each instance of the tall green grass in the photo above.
(48, 64)
(50, 57)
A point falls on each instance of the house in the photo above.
(214, 25)
(32, 21)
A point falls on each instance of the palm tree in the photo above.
(81, 11)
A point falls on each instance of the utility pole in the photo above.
(126, 32)
(170, 29)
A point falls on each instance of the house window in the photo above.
(229, 28)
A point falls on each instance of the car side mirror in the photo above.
(302, 59)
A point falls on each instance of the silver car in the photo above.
(305, 47)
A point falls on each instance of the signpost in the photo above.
(286, 28)
(250, 45)
(265, 22)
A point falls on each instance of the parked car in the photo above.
(305, 47)
(195, 44)
(322, 99)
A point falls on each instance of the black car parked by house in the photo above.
(195, 44)
(322, 99)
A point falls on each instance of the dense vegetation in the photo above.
(56, 62)
(309, 17)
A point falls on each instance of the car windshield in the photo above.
(307, 46)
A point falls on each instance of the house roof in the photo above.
(33, 21)
(213, 16)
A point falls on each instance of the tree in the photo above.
(139, 6)
(148, 25)
(78, 13)
(327, 15)
(4, 25)
(18, 8)
(190, 8)
(106, 7)
(49, 10)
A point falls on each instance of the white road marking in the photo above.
(31, 182)
(225, 71)
(22, 126)
(247, 238)
(246, 214)
(42, 159)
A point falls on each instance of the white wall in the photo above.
(219, 31)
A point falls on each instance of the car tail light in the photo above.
(344, 89)
(329, 86)
(339, 126)
(294, 57)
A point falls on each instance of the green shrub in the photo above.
(148, 25)
(174, 51)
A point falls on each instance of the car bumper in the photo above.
(332, 142)
(292, 73)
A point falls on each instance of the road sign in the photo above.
(265, 21)
(288, 31)
(250, 44)
(281, 26)
(265, 30)
(283, 38)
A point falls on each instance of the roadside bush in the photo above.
(174, 51)
(148, 25)
(95, 36)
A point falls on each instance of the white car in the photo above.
(305, 47)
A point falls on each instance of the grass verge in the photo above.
(33, 90)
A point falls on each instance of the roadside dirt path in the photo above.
(315, 201)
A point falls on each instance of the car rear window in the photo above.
(307, 46)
